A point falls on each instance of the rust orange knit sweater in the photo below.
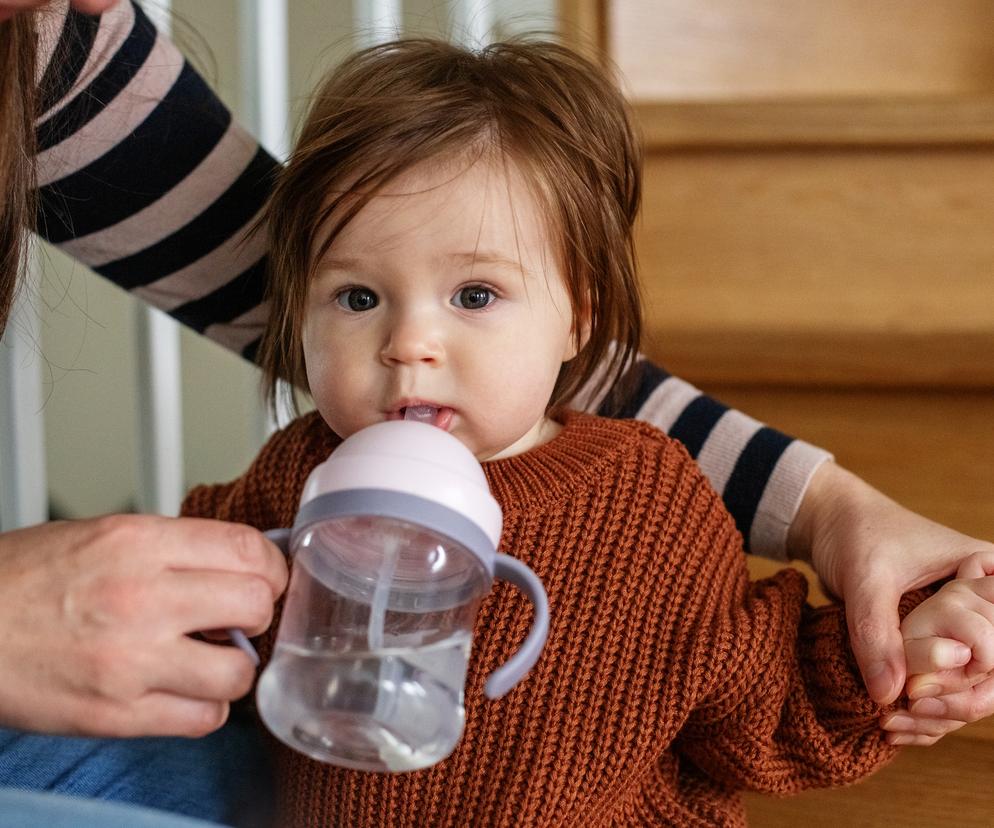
(668, 682)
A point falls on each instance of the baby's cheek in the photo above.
(331, 386)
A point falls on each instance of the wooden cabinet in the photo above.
(817, 249)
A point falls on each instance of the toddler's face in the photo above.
(444, 291)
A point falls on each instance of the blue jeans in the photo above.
(31, 809)
(224, 777)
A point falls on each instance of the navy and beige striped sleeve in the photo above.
(760, 472)
(145, 177)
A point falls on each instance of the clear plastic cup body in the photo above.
(369, 664)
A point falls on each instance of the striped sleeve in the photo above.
(761, 473)
(144, 176)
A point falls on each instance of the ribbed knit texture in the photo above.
(668, 682)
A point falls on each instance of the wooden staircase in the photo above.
(817, 248)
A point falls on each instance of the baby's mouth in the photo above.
(420, 413)
(440, 417)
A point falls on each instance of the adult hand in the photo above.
(869, 550)
(95, 617)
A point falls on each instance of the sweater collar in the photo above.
(551, 471)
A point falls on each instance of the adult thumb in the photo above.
(875, 634)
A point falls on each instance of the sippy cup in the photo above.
(394, 547)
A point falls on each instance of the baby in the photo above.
(454, 232)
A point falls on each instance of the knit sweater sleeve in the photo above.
(761, 473)
(243, 500)
(781, 706)
(259, 496)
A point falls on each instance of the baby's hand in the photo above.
(949, 638)
(949, 649)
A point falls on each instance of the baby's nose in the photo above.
(413, 339)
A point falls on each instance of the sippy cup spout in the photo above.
(421, 413)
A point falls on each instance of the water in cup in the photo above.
(398, 709)
(370, 674)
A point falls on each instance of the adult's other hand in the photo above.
(95, 617)
(869, 551)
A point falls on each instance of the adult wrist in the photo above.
(825, 500)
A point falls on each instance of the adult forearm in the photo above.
(139, 112)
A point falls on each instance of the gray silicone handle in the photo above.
(281, 537)
(517, 666)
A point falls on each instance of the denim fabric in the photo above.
(31, 809)
(224, 777)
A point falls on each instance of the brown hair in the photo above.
(539, 105)
(17, 83)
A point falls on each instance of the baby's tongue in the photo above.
(421, 413)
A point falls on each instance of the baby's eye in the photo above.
(357, 299)
(474, 297)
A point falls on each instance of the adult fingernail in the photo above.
(876, 670)
(897, 739)
(880, 683)
(928, 707)
(925, 691)
(897, 721)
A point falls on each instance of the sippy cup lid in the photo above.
(411, 471)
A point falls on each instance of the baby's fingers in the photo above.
(977, 630)
(963, 610)
(978, 565)
(932, 654)
(906, 728)
(941, 683)
(969, 706)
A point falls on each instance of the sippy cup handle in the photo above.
(517, 666)
(281, 537)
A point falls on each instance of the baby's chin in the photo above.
(541, 433)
